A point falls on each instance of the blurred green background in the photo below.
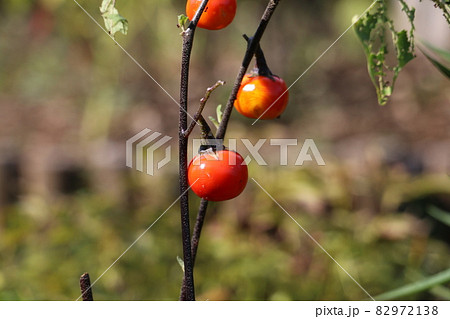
(70, 98)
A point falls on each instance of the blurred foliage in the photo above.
(444, 5)
(418, 286)
(371, 30)
(70, 98)
(441, 60)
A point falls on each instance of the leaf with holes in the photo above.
(371, 30)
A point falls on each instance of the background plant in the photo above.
(372, 30)
(67, 213)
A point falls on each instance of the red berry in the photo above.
(217, 176)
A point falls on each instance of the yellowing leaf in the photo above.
(114, 22)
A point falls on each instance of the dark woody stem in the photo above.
(250, 52)
(188, 40)
(85, 286)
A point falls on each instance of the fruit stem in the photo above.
(262, 68)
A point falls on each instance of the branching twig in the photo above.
(251, 49)
(250, 52)
(188, 38)
(85, 286)
(201, 107)
(253, 46)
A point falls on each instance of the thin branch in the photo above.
(201, 107)
(245, 63)
(188, 40)
(251, 49)
(85, 286)
(197, 232)
(198, 228)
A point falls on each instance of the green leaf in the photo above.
(444, 70)
(418, 286)
(114, 22)
(219, 113)
(214, 121)
(363, 28)
(180, 262)
(441, 55)
(404, 48)
(371, 31)
(440, 215)
(182, 21)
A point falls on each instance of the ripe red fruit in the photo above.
(217, 14)
(262, 95)
(217, 176)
